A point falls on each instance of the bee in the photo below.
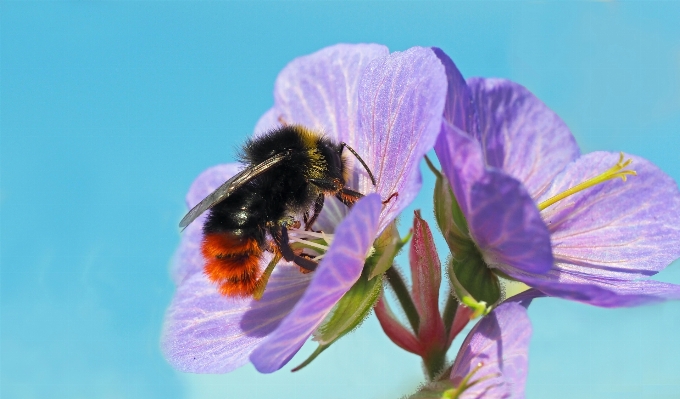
(288, 171)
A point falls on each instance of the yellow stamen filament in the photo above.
(614, 172)
(305, 235)
(308, 233)
(306, 238)
(310, 239)
(454, 393)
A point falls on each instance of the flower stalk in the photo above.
(431, 331)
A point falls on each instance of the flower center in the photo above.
(616, 171)
(312, 244)
(308, 241)
(317, 242)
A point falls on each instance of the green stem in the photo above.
(432, 167)
(450, 309)
(434, 363)
(399, 287)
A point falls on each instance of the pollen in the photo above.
(617, 171)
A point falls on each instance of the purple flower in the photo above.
(493, 360)
(506, 155)
(388, 108)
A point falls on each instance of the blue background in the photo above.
(110, 109)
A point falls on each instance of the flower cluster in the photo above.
(515, 201)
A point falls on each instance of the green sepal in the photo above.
(471, 279)
(351, 310)
(448, 214)
(467, 268)
(348, 313)
(387, 246)
(479, 307)
(311, 357)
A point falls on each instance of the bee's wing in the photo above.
(231, 185)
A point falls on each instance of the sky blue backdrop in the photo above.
(109, 110)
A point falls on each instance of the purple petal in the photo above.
(612, 294)
(520, 134)
(507, 227)
(401, 102)
(188, 259)
(320, 91)
(503, 220)
(462, 162)
(500, 342)
(460, 108)
(617, 229)
(338, 271)
(268, 121)
(205, 332)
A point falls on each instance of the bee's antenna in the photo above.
(342, 145)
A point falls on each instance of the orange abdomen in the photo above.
(233, 262)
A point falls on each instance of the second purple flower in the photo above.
(527, 206)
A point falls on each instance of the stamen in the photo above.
(315, 240)
(308, 233)
(311, 240)
(614, 172)
(465, 384)
(309, 243)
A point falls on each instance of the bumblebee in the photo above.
(288, 171)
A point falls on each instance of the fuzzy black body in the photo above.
(282, 191)
(235, 232)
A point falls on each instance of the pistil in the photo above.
(616, 171)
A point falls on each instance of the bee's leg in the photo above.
(280, 236)
(348, 196)
(393, 195)
(318, 206)
(327, 185)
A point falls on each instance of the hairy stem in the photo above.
(399, 287)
